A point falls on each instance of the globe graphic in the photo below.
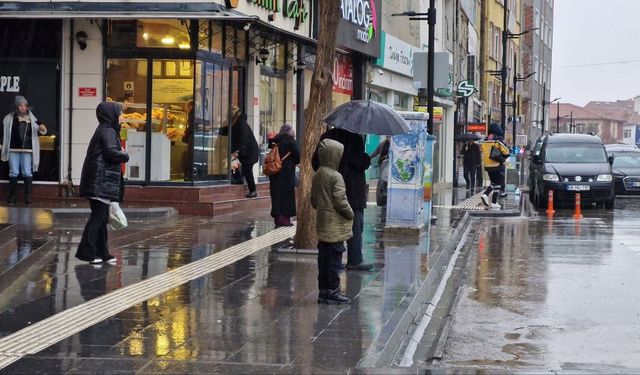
(404, 168)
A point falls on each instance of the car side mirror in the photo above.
(611, 160)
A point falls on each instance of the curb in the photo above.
(382, 353)
(130, 212)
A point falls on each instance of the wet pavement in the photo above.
(257, 315)
(551, 295)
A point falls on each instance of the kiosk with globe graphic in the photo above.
(409, 158)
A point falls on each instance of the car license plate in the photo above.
(636, 184)
(578, 187)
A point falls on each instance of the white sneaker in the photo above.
(485, 199)
(495, 206)
(96, 261)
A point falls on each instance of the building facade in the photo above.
(491, 62)
(537, 59)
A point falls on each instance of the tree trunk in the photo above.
(320, 100)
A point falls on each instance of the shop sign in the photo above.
(479, 127)
(9, 83)
(396, 55)
(87, 91)
(294, 9)
(438, 114)
(270, 5)
(342, 75)
(297, 10)
(172, 90)
(359, 28)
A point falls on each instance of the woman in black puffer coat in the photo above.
(101, 182)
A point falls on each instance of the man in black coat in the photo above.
(353, 165)
(471, 154)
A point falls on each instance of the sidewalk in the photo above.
(256, 315)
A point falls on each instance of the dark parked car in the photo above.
(626, 168)
(570, 164)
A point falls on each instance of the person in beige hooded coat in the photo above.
(334, 220)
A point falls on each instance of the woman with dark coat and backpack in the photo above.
(101, 182)
(282, 184)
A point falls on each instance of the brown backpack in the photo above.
(272, 162)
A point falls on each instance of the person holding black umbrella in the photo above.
(471, 156)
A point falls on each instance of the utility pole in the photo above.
(514, 103)
(558, 118)
(431, 48)
(544, 103)
(571, 128)
(431, 20)
(503, 75)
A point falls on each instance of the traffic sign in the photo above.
(465, 89)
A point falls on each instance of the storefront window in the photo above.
(126, 82)
(149, 33)
(172, 102)
(272, 106)
(211, 131)
(204, 35)
(216, 38)
(401, 102)
(30, 52)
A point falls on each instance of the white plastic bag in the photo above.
(116, 216)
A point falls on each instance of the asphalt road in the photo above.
(551, 294)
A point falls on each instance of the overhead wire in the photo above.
(600, 64)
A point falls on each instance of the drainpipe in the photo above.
(69, 189)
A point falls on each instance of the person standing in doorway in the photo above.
(245, 147)
(21, 146)
(101, 182)
(353, 165)
(282, 185)
(471, 160)
(494, 154)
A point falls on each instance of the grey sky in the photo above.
(595, 32)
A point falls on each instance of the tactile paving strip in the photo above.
(49, 331)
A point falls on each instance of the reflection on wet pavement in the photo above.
(551, 294)
(256, 315)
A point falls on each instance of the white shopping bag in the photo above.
(116, 216)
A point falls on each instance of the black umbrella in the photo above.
(467, 137)
(367, 117)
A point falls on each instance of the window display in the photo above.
(151, 33)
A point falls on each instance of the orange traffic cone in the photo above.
(550, 210)
(578, 213)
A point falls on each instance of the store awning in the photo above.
(119, 10)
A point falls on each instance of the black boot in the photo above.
(322, 296)
(13, 183)
(337, 297)
(27, 189)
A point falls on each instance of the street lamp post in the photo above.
(431, 22)
(558, 118)
(503, 72)
(544, 103)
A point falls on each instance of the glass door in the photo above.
(126, 82)
(172, 107)
(211, 134)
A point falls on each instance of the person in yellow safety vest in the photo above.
(494, 154)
